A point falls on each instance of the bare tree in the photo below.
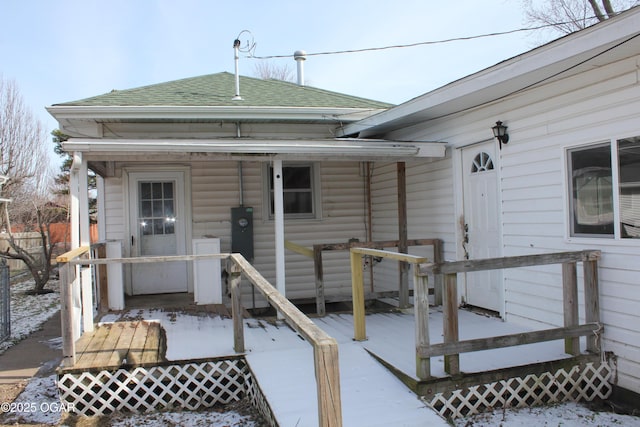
(267, 70)
(568, 16)
(24, 161)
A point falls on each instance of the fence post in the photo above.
(438, 279)
(357, 290)
(327, 369)
(591, 300)
(570, 305)
(235, 276)
(66, 272)
(450, 321)
(421, 313)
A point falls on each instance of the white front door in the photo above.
(481, 224)
(158, 227)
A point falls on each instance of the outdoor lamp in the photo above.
(500, 132)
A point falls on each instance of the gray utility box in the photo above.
(242, 231)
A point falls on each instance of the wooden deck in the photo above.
(113, 345)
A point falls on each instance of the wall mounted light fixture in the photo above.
(500, 132)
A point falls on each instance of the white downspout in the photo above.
(279, 226)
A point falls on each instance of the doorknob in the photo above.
(132, 241)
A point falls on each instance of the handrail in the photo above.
(452, 346)
(325, 347)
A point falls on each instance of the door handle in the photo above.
(132, 241)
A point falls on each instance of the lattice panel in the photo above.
(258, 399)
(188, 386)
(586, 382)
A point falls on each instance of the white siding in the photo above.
(215, 189)
(598, 105)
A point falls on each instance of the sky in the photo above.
(64, 50)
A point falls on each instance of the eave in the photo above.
(317, 149)
(232, 113)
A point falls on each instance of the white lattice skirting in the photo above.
(587, 382)
(192, 385)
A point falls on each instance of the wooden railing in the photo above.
(325, 348)
(315, 253)
(452, 346)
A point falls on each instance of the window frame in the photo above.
(316, 197)
(617, 236)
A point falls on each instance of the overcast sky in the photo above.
(63, 50)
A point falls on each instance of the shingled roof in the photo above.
(219, 89)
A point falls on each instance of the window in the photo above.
(593, 206)
(156, 210)
(299, 187)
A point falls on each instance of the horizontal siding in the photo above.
(596, 105)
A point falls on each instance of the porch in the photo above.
(474, 352)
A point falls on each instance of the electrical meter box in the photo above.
(242, 231)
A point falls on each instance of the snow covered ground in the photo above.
(28, 313)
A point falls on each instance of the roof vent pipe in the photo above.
(236, 57)
(300, 56)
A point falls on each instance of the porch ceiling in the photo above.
(333, 149)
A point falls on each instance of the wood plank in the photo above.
(450, 322)
(403, 266)
(509, 262)
(591, 301)
(108, 356)
(502, 341)
(421, 313)
(86, 359)
(357, 293)
(294, 247)
(413, 259)
(570, 305)
(146, 260)
(74, 253)
(136, 348)
(67, 276)
(124, 341)
(151, 352)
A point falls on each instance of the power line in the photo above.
(424, 43)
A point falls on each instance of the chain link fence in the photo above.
(5, 301)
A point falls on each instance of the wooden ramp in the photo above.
(371, 395)
(113, 345)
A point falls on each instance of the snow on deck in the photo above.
(283, 362)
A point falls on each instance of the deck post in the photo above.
(103, 279)
(591, 301)
(327, 371)
(421, 312)
(66, 314)
(235, 277)
(450, 321)
(357, 290)
(318, 270)
(570, 305)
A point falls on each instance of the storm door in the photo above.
(157, 226)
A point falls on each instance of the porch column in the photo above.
(74, 195)
(403, 267)
(279, 225)
(85, 240)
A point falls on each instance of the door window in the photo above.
(157, 208)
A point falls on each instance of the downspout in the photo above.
(240, 175)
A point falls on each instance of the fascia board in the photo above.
(97, 113)
(317, 147)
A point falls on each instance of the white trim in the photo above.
(157, 170)
(325, 148)
(217, 113)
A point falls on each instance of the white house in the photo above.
(567, 179)
(187, 162)
(213, 164)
